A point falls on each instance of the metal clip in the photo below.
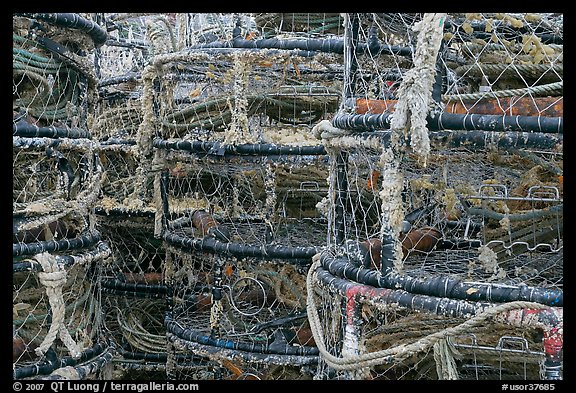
(495, 187)
(554, 194)
(505, 339)
(309, 186)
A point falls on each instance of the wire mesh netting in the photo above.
(241, 230)
(288, 196)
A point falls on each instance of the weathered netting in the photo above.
(133, 290)
(446, 202)
(53, 79)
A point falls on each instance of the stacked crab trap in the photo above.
(288, 196)
(444, 258)
(131, 284)
(238, 176)
(57, 249)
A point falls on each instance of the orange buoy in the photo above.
(421, 240)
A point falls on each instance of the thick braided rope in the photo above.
(509, 70)
(400, 352)
(239, 131)
(548, 89)
(53, 278)
(415, 92)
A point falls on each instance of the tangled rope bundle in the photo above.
(415, 92)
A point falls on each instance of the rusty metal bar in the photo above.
(511, 106)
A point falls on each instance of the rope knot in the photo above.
(53, 277)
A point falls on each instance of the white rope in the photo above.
(53, 278)
(325, 130)
(415, 92)
(392, 212)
